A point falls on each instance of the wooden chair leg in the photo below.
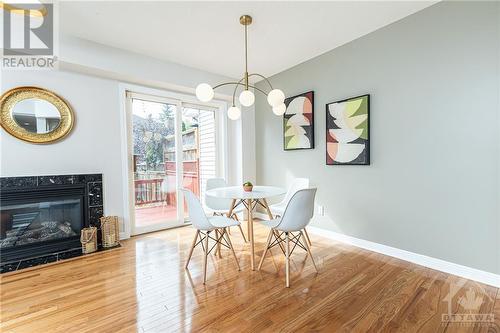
(218, 235)
(278, 239)
(307, 237)
(271, 232)
(215, 232)
(309, 250)
(235, 216)
(230, 212)
(192, 248)
(287, 262)
(242, 234)
(224, 232)
(205, 258)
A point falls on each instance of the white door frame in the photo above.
(177, 99)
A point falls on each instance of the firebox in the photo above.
(44, 214)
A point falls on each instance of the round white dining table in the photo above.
(250, 200)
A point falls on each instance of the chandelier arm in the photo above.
(265, 78)
(226, 84)
(258, 89)
(237, 84)
(250, 86)
(235, 88)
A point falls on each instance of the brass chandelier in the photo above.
(275, 97)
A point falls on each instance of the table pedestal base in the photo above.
(250, 205)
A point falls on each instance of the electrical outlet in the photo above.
(321, 210)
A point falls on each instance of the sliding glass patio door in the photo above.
(174, 146)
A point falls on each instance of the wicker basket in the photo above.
(88, 239)
(110, 231)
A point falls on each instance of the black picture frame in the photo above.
(329, 119)
(310, 130)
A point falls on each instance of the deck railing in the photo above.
(149, 191)
(158, 190)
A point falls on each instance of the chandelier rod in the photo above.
(246, 58)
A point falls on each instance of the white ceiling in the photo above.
(208, 36)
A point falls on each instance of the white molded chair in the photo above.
(204, 227)
(221, 206)
(298, 184)
(296, 217)
(279, 208)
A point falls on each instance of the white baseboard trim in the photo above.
(419, 259)
(260, 215)
(124, 235)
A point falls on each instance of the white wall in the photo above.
(89, 79)
(78, 55)
(433, 184)
(92, 58)
(92, 147)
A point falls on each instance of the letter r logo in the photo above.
(28, 29)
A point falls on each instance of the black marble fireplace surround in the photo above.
(41, 217)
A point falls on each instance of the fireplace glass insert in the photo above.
(41, 221)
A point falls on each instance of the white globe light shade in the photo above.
(247, 98)
(280, 109)
(275, 97)
(204, 92)
(234, 113)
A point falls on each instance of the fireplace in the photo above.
(44, 215)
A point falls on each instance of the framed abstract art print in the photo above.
(348, 131)
(298, 122)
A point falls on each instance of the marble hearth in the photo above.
(42, 216)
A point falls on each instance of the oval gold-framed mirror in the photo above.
(35, 115)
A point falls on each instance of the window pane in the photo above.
(199, 149)
(154, 162)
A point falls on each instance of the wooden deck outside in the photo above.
(145, 216)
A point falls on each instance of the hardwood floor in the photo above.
(143, 287)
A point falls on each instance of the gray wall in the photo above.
(433, 185)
